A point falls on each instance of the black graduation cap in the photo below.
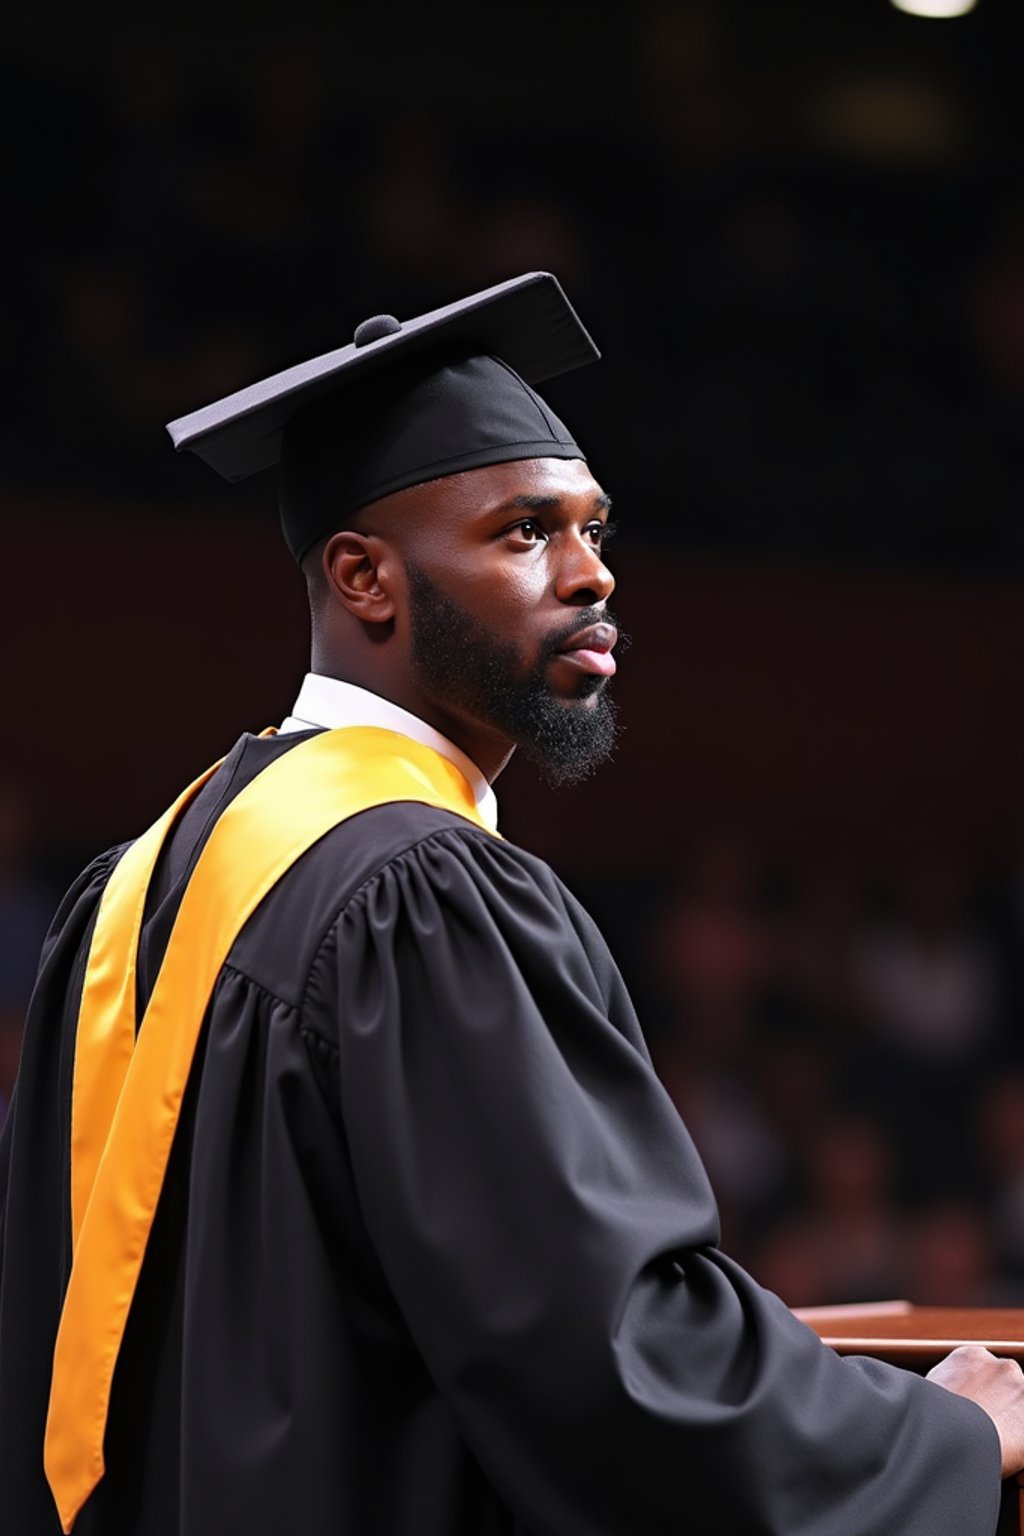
(404, 402)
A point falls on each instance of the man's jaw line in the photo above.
(479, 690)
(491, 748)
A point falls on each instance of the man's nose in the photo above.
(583, 578)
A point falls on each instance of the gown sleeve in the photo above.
(549, 1232)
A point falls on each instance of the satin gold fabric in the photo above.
(128, 1089)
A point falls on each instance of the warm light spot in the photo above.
(937, 9)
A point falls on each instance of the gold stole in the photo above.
(128, 1088)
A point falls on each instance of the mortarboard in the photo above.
(404, 402)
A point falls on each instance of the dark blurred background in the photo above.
(796, 231)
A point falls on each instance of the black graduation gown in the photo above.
(435, 1255)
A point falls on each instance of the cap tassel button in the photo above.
(375, 329)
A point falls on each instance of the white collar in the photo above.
(329, 703)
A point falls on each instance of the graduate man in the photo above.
(338, 1193)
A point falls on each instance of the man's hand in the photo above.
(995, 1384)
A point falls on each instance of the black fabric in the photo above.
(435, 1255)
(354, 447)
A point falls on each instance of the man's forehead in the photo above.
(548, 483)
(519, 485)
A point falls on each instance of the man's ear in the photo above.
(359, 569)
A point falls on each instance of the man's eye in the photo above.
(601, 533)
(529, 531)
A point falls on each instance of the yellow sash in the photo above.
(128, 1088)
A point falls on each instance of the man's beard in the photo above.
(460, 659)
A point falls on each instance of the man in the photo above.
(339, 1193)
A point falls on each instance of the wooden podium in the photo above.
(917, 1338)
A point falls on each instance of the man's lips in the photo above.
(591, 649)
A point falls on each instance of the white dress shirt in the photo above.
(329, 703)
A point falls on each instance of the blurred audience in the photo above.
(844, 1052)
(926, 982)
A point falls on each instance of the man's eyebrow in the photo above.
(602, 502)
